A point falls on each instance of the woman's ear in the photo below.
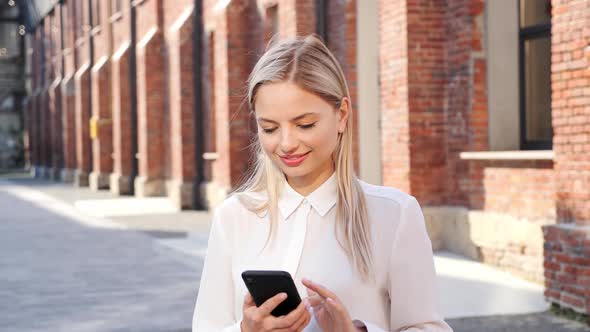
(343, 114)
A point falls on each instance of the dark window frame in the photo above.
(525, 34)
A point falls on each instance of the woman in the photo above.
(359, 253)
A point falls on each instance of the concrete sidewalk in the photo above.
(474, 297)
(63, 271)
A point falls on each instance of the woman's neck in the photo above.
(305, 185)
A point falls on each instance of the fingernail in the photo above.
(330, 300)
(283, 296)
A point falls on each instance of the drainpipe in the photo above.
(133, 94)
(321, 20)
(198, 102)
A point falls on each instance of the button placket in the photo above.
(295, 249)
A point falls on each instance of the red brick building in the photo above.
(479, 109)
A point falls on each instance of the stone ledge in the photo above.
(508, 155)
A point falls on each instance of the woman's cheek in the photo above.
(267, 145)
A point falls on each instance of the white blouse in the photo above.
(402, 298)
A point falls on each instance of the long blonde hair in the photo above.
(307, 62)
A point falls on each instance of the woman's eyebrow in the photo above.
(299, 117)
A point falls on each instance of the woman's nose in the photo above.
(288, 141)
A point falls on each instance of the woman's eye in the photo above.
(268, 130)
(307, 126)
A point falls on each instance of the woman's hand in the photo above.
(329, 312)
(260, 319)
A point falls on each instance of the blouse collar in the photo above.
(321, 199)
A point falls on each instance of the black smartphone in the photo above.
(264, 284)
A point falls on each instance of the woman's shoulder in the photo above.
(239, 203)
(378, 193)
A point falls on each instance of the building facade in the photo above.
(12, 85)
(480, 109)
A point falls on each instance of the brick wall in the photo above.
(419, 58)
(95, 89)
(296, 17)
(82, 95)
(151, 99)
(465, 92)
(102, 143)
(567, 245)
(523, 189)
(426, 33)
(393, 75)
(178, 18)
(341, 40)
(55, 97)
(570, 77)
(567, 266)
(236, 31)
(68, 92)
(434, 106)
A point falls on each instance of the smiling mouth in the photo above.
(295, 156)
(294, 160)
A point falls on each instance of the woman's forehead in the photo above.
(287, 101)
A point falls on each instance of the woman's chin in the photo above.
(294, 172)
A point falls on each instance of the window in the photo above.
(535, 74)
(9, 38)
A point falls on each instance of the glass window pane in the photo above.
(537, 83)
(533, 12)
(9, 40)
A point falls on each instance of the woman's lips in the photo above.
(293, 161)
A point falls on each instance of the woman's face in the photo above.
(298, 130)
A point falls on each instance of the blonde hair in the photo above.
(307, 62)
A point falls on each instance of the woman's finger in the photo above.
(248, 300)
(291, 318)
(269, 305)
(321, 290)
(302, 322)
(335, 307)
(315, 300)
(298, 325)
(310, 292)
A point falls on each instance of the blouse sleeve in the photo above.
(215, 301)
(412, 280)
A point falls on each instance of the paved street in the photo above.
(61, 275)
(538, 322)
(62, 269)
